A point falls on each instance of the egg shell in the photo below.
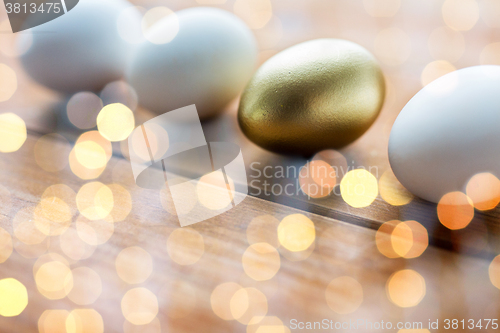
(81, 50)
(207, 63)
(448, 132)
(316, 95)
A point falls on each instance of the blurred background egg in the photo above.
(448, 133)
(201, 56)
(316, 95)
(81, 50)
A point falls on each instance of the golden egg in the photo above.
(316, 95)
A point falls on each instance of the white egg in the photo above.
(202, 56)
(448, 132)
(82, 49)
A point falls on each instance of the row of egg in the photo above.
(315, 95)
(206, 56)
(201, 56)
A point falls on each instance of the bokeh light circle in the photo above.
(296, 232)
(359, 188)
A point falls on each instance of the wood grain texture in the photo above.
(457, 282)
(456, 285)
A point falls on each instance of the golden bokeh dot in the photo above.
(455, 210)
(13, 132)
(248, 306)
(153, 327)
(84, 321)
(255, 13)
(221, 297)
(435, 70)
(490, 55)
(53, 321)
(484, 191)
(446, 44)
(55, 209)
(52, 152)
(494, 271)
(52, 216)
(402, 239)
(406, 288)
(182, 299)
(359, 188)
(268, 324)
(213, 192)
(90, 154)
(95, 200)
(115, 122)
(408, 239)
(296, 232)
(322, 173)
(8, 84)
(420, 239)
(185, 246)
(54, 279)
(317, 179)
(86, 288)
(13, 297)
(96, 137)
(169, 27)
(392, 191)
(80, 171)
(64, 193)
(460, 15)
(336, 160)
(139, 306)
(6, 246)
(393, 46)
(344, 295)
(383, 239)
(263, 229)
(134, 265)
(382, 8)
(261, 261)
(58, 203)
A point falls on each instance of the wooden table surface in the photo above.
(454, 266)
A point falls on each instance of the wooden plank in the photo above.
(296, 292)
(44, 113)
(457, 285)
